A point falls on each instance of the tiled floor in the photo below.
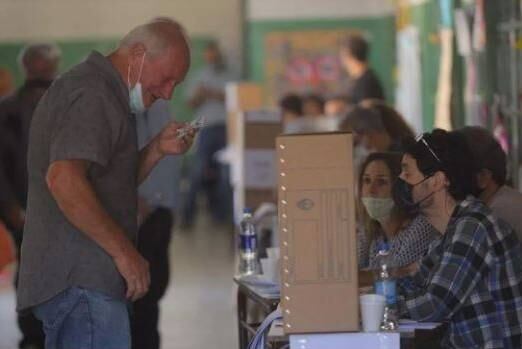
(198, 310)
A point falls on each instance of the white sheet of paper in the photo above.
(260, 168)
(263, 116)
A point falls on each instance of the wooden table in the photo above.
(249, 297)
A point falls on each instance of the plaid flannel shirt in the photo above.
(471, 278)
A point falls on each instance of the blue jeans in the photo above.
(83, 319)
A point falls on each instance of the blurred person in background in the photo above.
(306, 115)
(337, 106)
(490, 170)
(382, 220)
(313, 105)
(376, 127)
(39, 64)
(364, 83)
(6, 82)
(206, 96)
(157, 206)
(291, 107)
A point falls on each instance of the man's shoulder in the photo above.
(477, 216)
(83, 78)
(75, 85)
(507, 196)
(472, 215)
(473, 208)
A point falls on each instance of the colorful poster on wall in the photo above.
(304, 62)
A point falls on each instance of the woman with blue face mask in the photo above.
(382, 220)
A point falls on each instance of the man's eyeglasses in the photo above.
(420, 138)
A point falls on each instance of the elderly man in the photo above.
(39, 64)
(79, 265)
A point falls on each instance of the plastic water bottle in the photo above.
(248, 262)
(385, 285)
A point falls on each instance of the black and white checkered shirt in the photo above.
(472, 278)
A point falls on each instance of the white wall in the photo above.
(303, 9)
(22, 20)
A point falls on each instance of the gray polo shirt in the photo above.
(84, 115)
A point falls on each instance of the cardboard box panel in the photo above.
(318, 240)
(254, 198)
(261, 135)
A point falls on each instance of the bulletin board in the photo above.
(304, 62)
(380, 31)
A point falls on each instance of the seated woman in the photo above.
(383, 221)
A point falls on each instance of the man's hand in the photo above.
(168, 142)
(135, 270)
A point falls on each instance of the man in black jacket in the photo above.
(364, 83)
(39, 63)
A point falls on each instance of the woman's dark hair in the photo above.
(487, 152)
(376, 115)
(357, 46)
(316, 99)
(393, 162)
(292, 103)
(448, 152)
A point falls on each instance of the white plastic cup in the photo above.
(273, 252)
(372, 311)
(270, 269)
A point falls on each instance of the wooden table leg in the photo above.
(242, 318)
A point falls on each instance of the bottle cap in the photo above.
(383, 246)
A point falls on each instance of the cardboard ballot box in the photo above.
(240, 97)
(254, 169)
(319, 286)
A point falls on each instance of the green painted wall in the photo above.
(382, 31)
(75, 51)
(426, 17)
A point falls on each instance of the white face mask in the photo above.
(136, 103)
(378, 209)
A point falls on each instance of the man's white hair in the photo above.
(154, 35)
(45, 51)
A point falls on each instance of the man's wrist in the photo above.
(121, 248)
(155, 152)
